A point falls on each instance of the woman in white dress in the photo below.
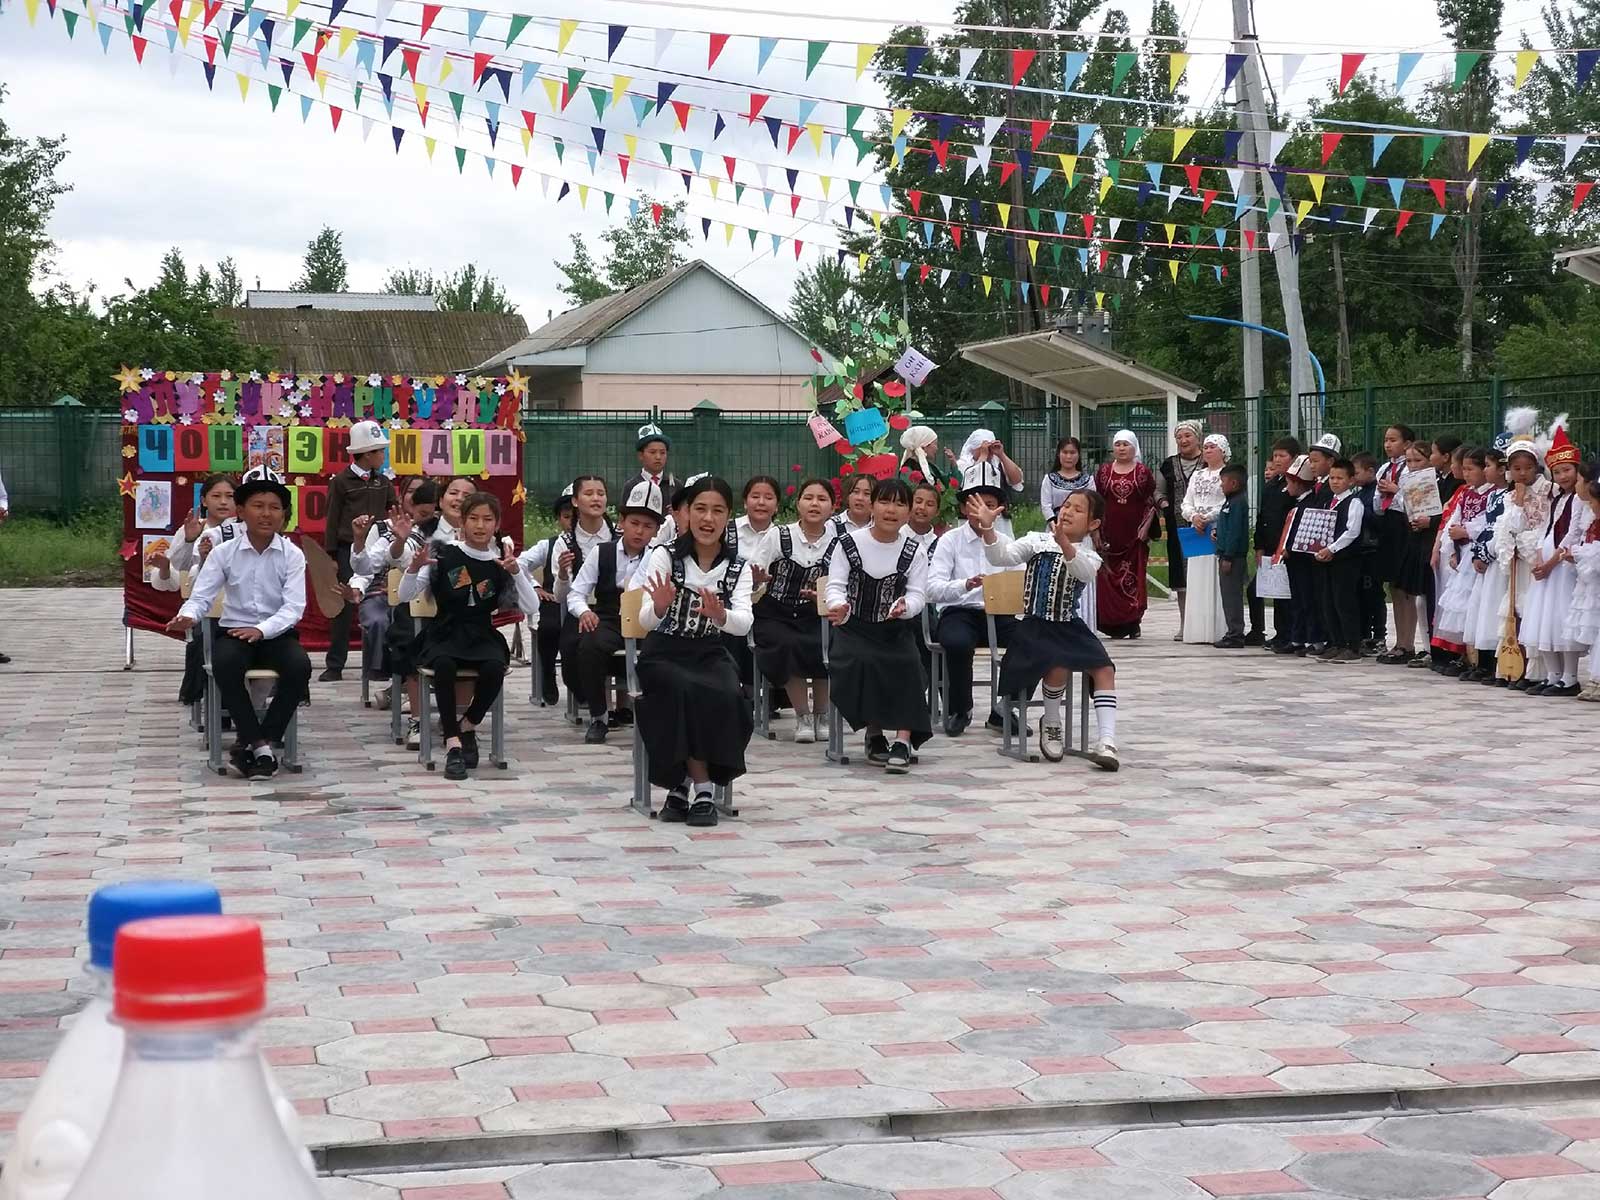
(1204, 622)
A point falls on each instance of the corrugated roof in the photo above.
(344, 301)
(419, 343)
(591, 321)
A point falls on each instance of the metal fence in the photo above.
(58, 459)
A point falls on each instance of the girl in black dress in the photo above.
(693, 722)
(788, 651)
(877, 581)
(467, 579)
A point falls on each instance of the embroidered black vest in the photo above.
(730, 539)
(788, 578)
(1049, 591)
(684, 618)
(607, 601)
(871, 598)
(570, 539)
(548, 581)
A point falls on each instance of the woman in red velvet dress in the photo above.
(1129, 489)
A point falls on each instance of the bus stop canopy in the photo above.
(1088, 374)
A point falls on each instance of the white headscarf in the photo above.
(1221, 443)
(914, 443)
(968, 455)
(1127, 435)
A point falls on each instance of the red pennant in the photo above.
(528, 119)
(955, 235)
(655, 214)
(138, 48)
(1021, 60)
(916, 201)
(1249, 239)
(622, 165)
(212, 8)
(324, 36)
(681, 107)
(729, 162)
(1104, 254)
(1330, 143)
(794, 135)
(1206, 197)
(1044, 291)
(1007, 170)
(1088, 225)
(922, 273)
(1405, 219)
(430, 14)
(1038, 130)
(566, 96)
(1580, 193)
(1349, 64)
(412, 57)
(941, 151)
(176, 9)
(1436, 186)
(757, 103)
(1192, 170)
(794, 205)
(718, 41)
(516, 171)
(334, 113)
(422, 112)
(797, 244)
(211, 48)
(479, 62)
(311, 65)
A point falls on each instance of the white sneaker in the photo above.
(413, 734)
(1104, 756)
(805, 728)
(1052, 741)
(380, 699)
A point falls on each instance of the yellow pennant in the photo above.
(290, 6)
(1005, 214)
(527, 140)
(1177, 64)
(1180, 139)
(815, 130)
(322, 83)
(861, 261)
(1172, 266)
(1099, 301)
(864, 55)
(1476, 144)
(632, 143)
(430, 143)
(827, 182)
(619, 87)
(420, 90)
(583, 195)
(1525, 61)
(88, 10)
(1316, 181)
(727, 231)
(32, 7)
(444, 69)
(1069, 168)
(244, 85)
(711, 181)
(346, 36)
(568, 28)
(1172, 232)
(1301, 210)
(1033, 250)
(186, 22)
(552, 91)
(987, 284)
(1105, 187)
(898, 120)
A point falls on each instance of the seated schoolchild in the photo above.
(788, 650)
(214, 522)
(262, 579)
(538, 562)
(467, 580)
(1052, 640)
(591, 528)
(382, 546)
(924, 516)
(692, 720)
(594, 604)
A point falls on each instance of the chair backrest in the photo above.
(632, 605)
(1002, 593)
(425, 607)
(394, 586)
(822, 599)
(216, 608)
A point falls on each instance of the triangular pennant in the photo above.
(1525, 63)
(1180, 139)
(1396, 188)
(1231, 64)
(1177, 64)
(1021, 60)
(1430, 146)
(864, 53)
(1476, 143)
(1330, 143)
(1291, 66)
(1580, 193)
(1466, 60)
(814, 53)
(1124, 63)
(1585, 66)
(1380, 143)
(1358, 185)
(967, 58)
(714, 48)
(1402, 221)
(1349, 64)
(1574, 143)
(564, 31)
(1072, 67)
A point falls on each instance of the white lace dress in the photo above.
(1203, 619)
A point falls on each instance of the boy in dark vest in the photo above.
(1340, 565)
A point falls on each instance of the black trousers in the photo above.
(339, 627)
(549, 635)
(491, 677)
(595, 661)
(1341, 601)
(1305, 620)
(231, 658)
(961, 631)
(1374, 613)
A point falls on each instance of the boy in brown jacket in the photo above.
(359, 491)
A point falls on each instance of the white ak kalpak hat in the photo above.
(645, 500)
(367, 435)
(1329, 443)
(986, 476)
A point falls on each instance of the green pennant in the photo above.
(461, 160)
(574, 77)
(1055, 250)
(302, 25)
(518, 24)
(598, 97)
(248, 5)
(863, 146)
(1033, 217)
(752, 234)
(1273, 205)
(1125, 63)
(227, 43)
(1194, 235)
(1194, 272)
(855, 192)
(1005, 286)
(610, 197)
(1130, 139)
(1430, 146)
(1358, 185)
(738, 192)
(905, 227)
(561, 149)
(1466, 60)
(356, 95)
(128, 21)
(1116, 302)
(71, 19)
(852, 114)
(814, 53)
(274, 93)
(1114, 169)
(456, 99)
(666, 151)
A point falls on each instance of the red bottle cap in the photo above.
(200, 968)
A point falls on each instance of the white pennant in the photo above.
(983, 240)
(1367, 224)
(1235, 180)
(968, 59)
(366, 127)
(980, 155)
(1113, 224)
(1291, 65)
(1542, 190)
(663, 40)
(761, 170)
(1127, 261)
(381, 13)
(973, 165)
(946, 201)
(544, 184)
(1575, 143)
(1173, 193)
(991, 126)
(944, 276)
(1275, 239)
(436, 64)
(1279, 141)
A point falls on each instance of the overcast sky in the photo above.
(156, 160)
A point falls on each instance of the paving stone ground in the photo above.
(1305, 878)
(1547, 1153)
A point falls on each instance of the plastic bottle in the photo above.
(58, 1130)
(192, 1117)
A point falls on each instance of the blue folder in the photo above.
(1195, 545)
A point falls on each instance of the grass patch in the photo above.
(45, 552)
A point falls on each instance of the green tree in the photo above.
(641, 249)
(324, 268)
(469, 289)
(227, 289)
(823, 305)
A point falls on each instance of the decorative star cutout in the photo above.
(518, 385)
(519, 494)
(186, 419)
(483, 474)
(125, 485)
(447, 423)
(146, 374)
(255, 376)
(238, 418)
(272, 376)
(169, 376)
(127, 452)
(128, 379)
(461, 381)
(305, 410)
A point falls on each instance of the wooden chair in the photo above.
(1003, 597)
(632, 633)
(424, 609)
(213, 702)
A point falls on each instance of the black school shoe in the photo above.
(1229, 643)
(877, 749)
(619, 718)
(702, 813)
(1562, 689)
(994, 726)
(469, 749)
(261, 766)
(331, 675)
(956, 725)
(1255, 638)
(676, 810)
(595, 735)
(240, 755)
(455, 764)
(899, 760)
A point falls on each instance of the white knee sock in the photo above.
(1569, 666)
(1105, 715)
(1052, 703)
(704, 791)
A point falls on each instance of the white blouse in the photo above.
(878, 559)
(416, 583)
(751, 540)
(1204, 499)
(658, 566)
(804, 553)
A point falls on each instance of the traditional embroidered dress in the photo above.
(1204, 621)
(1544, 619)
(877, 673)
(690, 706)
(1516, 541)
(1485, 617)
(786, 622)
(1454, 577)
(1125, 548)
(1055, 488)
(1052, 632)
(1583, 616)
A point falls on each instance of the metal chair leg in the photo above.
(762, 707)
(1085, 703)
(127, 645)
(425, 719)
(497, 731)
(291, 745)
(640, 802)
(836, 752)
(723, 794)
(1023, 753)
(397, 725)
(535, 695)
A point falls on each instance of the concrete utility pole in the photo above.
(1250, 307)
(1257, 145)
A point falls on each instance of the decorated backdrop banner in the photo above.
(179, 427)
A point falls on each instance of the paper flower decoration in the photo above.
(286, 410)
(238, 418)
(374, 380)
(899, 421)
(255, 376)
(226, 375)
(197, 377)
(461, 381)
(447, 423)
(130, 415)
(499, 389)
(185, 419)
(147, 374)
(397, 424)
(305, 410)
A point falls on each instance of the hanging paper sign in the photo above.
(914, 367)
(822, 429)
(865, 425)
(879, 466)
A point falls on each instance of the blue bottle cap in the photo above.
(113, 907)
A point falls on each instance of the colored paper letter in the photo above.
(405, 451)
(194, 449)
(305, 450)
(469, 451)
(502, 452)
(436, 458)
(156, 455)
(227, 448)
